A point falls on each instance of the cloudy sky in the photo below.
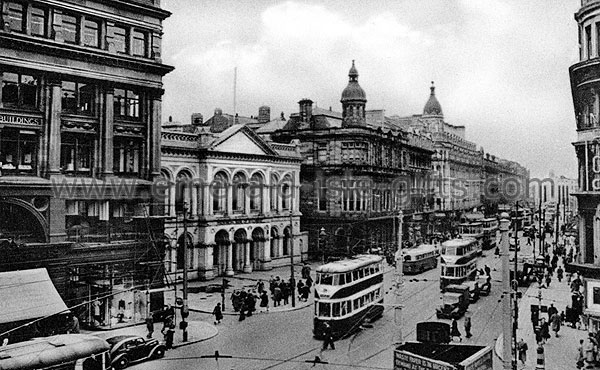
(500, 66)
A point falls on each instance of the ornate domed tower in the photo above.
(353, 101)
(432, 107)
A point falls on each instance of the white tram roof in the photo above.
(423, 248)
(489, 219)
(350, 263)
(458, 242)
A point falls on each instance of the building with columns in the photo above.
(585, 88)
(240, 195)
(80, 114)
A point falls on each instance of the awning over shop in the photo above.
(28, 295)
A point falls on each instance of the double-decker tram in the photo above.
(473, 230)
(490, 233)
(458, 261)
(419, 259)
(347, 293)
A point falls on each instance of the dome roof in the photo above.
(353, 91)
(432, 107)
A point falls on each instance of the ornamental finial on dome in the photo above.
(432, 107)
(353, 74)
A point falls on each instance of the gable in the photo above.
(240, 143)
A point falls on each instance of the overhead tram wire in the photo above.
(281, 362)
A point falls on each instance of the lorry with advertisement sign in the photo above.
(433, 352)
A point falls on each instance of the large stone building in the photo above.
(80, 113)
(359, 169)
(585, 88)
(241, 196)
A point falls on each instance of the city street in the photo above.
(284, 340)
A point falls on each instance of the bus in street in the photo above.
(458, 261)
(419, 259)
(348, 293)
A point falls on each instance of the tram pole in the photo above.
(398, 282)
(506, 314)
(292, 277)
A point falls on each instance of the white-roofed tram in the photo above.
(458, 261)
(473, 230)
(347, 293)
(419, 259)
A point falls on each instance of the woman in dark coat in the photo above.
(218, 313)
(454, 332)
(545, 330)
(264, 301)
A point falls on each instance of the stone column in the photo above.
(247, 199)
(107, 133)
(247, 265)
(54, 127)
(229, 257)
(194, 200)
(207, 200)
(154, 127)
(229, 192)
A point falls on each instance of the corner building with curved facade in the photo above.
(585, 88)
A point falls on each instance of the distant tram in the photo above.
(458, 261)
(473, 230)
(347, 293)
(490, 233)
(422, 258)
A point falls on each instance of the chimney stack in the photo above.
(197, 119)
(305, 109)
(264, 114)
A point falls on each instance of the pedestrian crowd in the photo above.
(278, 291)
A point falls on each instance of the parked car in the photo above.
(129, 349)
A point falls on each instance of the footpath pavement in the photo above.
(202, 300)
(559, 352)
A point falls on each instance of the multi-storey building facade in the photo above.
(457, 164)
(80, 114)
(359, 169)
(555, 193)
(585, 89)
(240, 195)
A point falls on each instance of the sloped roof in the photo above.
(28, 295)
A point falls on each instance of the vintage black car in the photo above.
(129, 349)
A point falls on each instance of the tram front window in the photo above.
(342, 279)
(326, 279)
(449, 271)
(336, 310)
(324, 309)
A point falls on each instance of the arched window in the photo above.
(286, 241)
(219, 192)
(181, 251)
(274, 237)
(286, 192)
(239, 193)
(183, 191)
(165, 183)
(255, 192)
(274, 186)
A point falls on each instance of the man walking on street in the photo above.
(328, 334)
(467, 325)
(522, 348)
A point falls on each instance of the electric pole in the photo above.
(292, 279)
(398, 282)
(506, 314)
